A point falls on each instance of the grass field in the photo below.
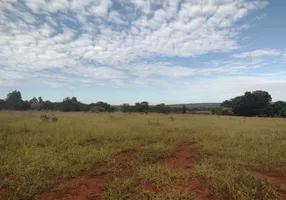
(130, 157)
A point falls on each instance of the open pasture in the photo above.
(133, 156)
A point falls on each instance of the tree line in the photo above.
(256, 103)
(14, 101)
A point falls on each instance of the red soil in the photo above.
(86, 188)
(275, 179)
(83, 188)
(3, 191)
(201, 192)
(148, 187)
(183, 158)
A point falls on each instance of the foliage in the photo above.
(184, 109)
(160, 108)
(220, 110)
(257, 103)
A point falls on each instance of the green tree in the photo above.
(252, 104)
(14, 100)
(34, 100)
(126, 107)
(184, 109)
(3, 104)
(70, 104)
(40, 100)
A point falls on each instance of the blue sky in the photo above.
(124, 51)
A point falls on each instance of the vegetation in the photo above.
(36, 155)
(257, 103)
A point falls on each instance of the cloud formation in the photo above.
(258, 53)
(117, 42)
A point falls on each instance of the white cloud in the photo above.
(93, 41)
(169, 70)
(258, 53)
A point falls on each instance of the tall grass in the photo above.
(36, 154)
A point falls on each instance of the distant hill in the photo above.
(196, 105)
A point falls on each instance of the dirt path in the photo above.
(80, 188)
(275, 179)
(91, 187)
(183, 159)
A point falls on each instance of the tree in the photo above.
(70, 104)
(126, 107)
(40, 100)
(34, 100)
(35, 104)
(184, 109)
(160, 108)
(48, 105)
(14, 100)
(222, 111)
(145, 106)
(141, 107)
(251, 104)
(3, 104)
(278, 107)
(227, 104)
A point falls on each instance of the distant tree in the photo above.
(283, 112)
(35, 104)
(3, 104)
(141, 107)
(40, 100)
(126, 107)
(222, 111)
(160, 108)
(145, 106)
(34, 100)
(227, 104)
(70, 104)
(25, 105)
(48, 105)
(184, 109)
(103, 105)
(14, 100)
(251, 104)
(278, 107)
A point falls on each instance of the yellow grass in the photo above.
(36, 155)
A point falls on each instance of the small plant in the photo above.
(44, 117)
(54, 119)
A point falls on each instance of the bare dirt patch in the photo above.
(3, 191)
(275, 179)
(80, 188)
(200, 191)
(183, 158)
(148, 187)
(88, 187)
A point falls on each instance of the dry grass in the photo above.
(36, 155)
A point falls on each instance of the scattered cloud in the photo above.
(258, 53)
(118, 43)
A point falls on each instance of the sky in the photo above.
(125, 51)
